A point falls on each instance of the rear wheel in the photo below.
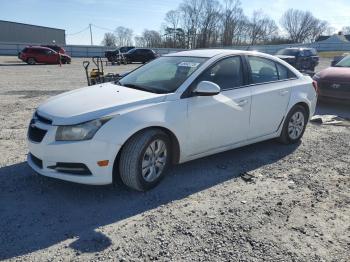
(294, 125)
(31, 61)
(145, 159)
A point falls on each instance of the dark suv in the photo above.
(112, 55)
(142, 55)
(303, 59)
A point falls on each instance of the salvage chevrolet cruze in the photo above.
(174, 109)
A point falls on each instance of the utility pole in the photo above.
(91, 34)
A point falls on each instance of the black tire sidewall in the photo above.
(141, 181)
(285, 135)
(31, 59)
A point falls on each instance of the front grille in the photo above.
(35, 134)
(38, 162)
(71, 168)
(43, 119)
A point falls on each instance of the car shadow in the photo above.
(14, 64)
(339, 108)
(37, 212)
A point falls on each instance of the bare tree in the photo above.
(330, 30)
(172, 18)
(123, 36)
(319, 28)
(109, 40)
(191, 11)
(261, 28)
(233, 22)
(152, 38)
(139, 41)
(208, 23)
(302, 26)
(346, 30)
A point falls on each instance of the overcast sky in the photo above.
(75, 15)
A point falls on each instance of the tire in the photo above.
(31, 61)
(136, 153)
(294, 125)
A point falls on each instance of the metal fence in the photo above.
(319, 46)
(90, 51)
(74, 50)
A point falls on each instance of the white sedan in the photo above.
(179, 107)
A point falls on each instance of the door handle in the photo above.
(242, 102)
(283, 92)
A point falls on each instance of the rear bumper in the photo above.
(325, 94)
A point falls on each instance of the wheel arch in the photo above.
(175, 148)
(305, 106)
(301, 97)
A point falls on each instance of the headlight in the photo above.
(84, 131)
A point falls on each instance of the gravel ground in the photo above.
(264, 202)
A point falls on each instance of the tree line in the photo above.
(211, 23)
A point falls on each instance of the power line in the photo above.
(86, 28)
(103, 28)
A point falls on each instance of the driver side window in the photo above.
(227, 73)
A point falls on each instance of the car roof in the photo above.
(38, 47)
(208, 53)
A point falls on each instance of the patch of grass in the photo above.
(331, 54)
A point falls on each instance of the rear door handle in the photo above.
(242, 102)
(283, 92)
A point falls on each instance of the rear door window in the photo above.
(265, 70)
(284, 73)
(262, 70)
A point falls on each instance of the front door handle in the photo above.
(283, 92)
(242, 102)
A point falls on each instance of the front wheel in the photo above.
(31, 61)
(144, 159)
(294, 125)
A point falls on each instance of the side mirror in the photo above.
(206, 88)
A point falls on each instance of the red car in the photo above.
(334, 82)
(43, 55)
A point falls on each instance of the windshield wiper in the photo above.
(133, 86)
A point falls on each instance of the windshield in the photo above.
(345, 62)
(163, 75)
(291, 52)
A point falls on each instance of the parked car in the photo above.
(334, 82)
(177, 108)
(112, 55)
(337, 58)
(142, 55)
(303, 59)
(44, 55)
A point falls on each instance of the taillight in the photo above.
(315, 85)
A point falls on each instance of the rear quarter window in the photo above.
(284, 72)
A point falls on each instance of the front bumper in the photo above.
(51, 153)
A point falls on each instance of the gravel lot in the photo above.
(295, 206)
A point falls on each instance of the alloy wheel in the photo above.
(154, 160)
(296, 125)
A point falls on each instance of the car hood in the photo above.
(94, 102)
(341, 74)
